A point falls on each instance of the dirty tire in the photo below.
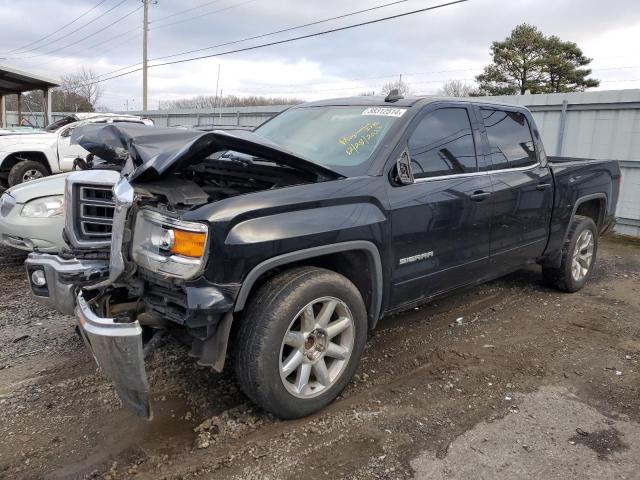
(266, 320)
(19, 169)
(561, 278)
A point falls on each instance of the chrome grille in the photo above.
(95, 207)
(89, 208)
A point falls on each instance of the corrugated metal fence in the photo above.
(244, 116)
(603, 125)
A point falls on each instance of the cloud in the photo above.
(427, 48)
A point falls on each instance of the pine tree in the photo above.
(528, 61)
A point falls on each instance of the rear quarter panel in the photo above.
(576, 181)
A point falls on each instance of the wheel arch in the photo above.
(340, 257)
(593, 206)
(16, 157)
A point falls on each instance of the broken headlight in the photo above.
(168, 245)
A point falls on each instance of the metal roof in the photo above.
(15, 81)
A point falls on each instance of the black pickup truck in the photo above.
(283, 247)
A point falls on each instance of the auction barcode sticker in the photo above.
(385, 111)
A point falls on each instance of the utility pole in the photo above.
(145, 31)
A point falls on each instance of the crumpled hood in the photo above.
(156, 151)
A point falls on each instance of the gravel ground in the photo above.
(507, 380)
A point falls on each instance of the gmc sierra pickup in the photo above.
(284, 246)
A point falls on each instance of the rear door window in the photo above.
(442, 144)
(509, 136)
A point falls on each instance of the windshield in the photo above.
(339, 138)
(52, 127)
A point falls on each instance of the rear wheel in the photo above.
(300, 341)
(26, 170)
(578, 256)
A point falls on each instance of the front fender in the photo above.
(48, 151)
(297, 224)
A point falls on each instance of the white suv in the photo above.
(27, 156)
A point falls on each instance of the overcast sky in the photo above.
(426, 48)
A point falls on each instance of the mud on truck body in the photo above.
(286, 245)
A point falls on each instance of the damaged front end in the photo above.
(142, 270)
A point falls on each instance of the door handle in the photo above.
(543, 186)
(479, 196)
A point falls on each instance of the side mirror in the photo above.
(404, 173)
(67, 132)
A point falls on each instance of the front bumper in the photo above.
(118, 351)
(63, 276)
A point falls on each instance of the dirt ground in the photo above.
(508, 380)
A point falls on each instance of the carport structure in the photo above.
(15, 82)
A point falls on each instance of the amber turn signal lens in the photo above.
(189, 244)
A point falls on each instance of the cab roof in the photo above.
(377, 101)
(410, 101)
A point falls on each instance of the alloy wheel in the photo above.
(31, 174)
(317, 347)
(582, 255)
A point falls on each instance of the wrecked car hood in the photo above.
(157, 151)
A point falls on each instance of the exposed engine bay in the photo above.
(220, 176)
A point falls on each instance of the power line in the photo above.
(110, 39)
(262, 35)
(66, 35)
(297, 27)
(229, 7)
(137, 36)
(56, 31)
(187, 10)
(168, 24)
(86, 36)
(293, 39)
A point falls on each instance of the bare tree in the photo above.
(457, 88)
(83, 84)
(210, 101)
(402, 87)
(61, 101)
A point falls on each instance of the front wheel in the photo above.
(300, 341)
(578, 256)
(25, 171)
